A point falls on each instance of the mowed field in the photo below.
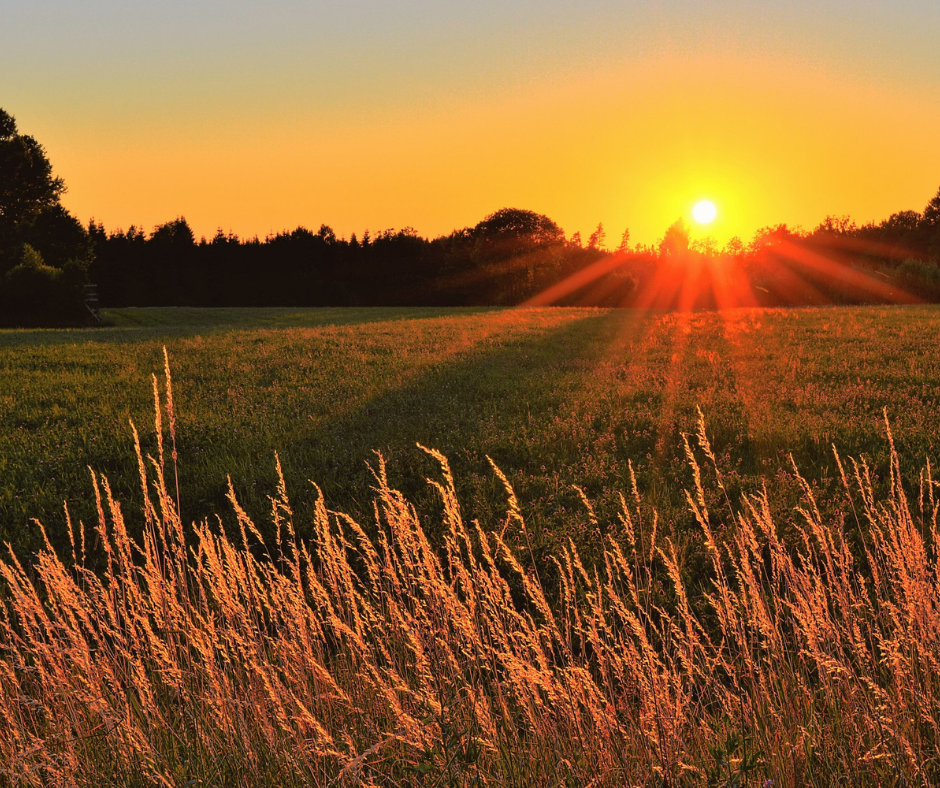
(556, 397)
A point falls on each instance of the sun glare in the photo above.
(704, 212)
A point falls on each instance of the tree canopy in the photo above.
(524, 226)
(510, 232)
(931, 214)
(44, 250)
(27, 184)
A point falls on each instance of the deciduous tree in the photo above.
(27, 185)
(44, 251)
(676, 240)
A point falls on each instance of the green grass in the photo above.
(556, 397)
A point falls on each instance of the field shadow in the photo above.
(499, 401)
(132, 325)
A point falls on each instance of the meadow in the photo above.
(666, 575)
(556, 397)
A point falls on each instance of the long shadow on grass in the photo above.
(52, 439)
(500, 402)
(168, 323)
(512, 403)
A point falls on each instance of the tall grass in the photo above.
(805, 654)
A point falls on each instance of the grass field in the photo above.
(556, 397)
(699, 631)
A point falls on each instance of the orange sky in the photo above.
(245, 121)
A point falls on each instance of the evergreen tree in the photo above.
(624, 241)
(597, 238)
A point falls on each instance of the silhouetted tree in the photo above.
(176, 234)
(624, 245)
(44, 251)
(511, 231)
(734, 248)
(676, 240)
(772, 236)
(707, 246)
(930, 224)
(836, 225)
(931, 216)
(902, 222)
(514, 251)
(171, 263)
(597, 238)
(27, 186)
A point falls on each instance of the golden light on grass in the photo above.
(390, 657)
(704, 212)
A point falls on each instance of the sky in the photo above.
(256, 117)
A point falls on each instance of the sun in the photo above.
(704, 212)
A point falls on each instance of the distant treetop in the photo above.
(520, 225)
(931, 215)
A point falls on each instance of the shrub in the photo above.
(35, 294)
(919, 277)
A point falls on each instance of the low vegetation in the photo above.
(799, 650)
(557, 397)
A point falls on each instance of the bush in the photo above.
(35, 294)
(919, 277)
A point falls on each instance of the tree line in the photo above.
(512, 256)
(502, 260)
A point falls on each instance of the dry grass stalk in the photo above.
(382, 660)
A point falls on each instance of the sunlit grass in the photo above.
(556, 397)
(802, 650)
